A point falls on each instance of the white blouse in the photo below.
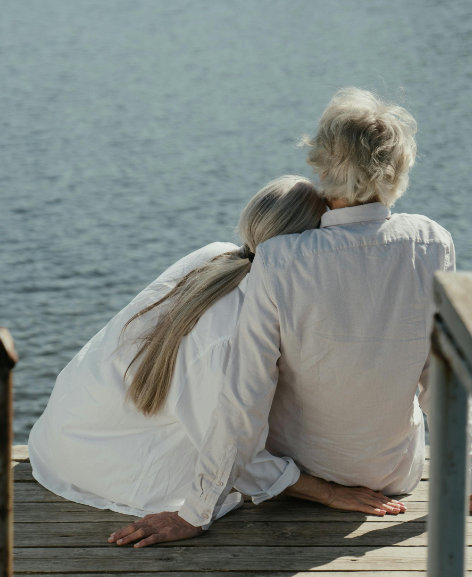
(93, 447)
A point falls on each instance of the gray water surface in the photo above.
(133, 132)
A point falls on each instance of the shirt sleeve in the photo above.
(424, 387)
(239, 425)
(424, 395)
(267, 476)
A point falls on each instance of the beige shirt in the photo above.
(335, 324)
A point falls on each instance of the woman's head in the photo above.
(363, 149)
(286, 205)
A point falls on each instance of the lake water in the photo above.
(133, 131)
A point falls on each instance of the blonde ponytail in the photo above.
(187, 302)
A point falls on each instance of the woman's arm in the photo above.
(337, 496)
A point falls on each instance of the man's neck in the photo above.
(343, 203)
(338, 203)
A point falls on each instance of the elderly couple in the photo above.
(289, 364)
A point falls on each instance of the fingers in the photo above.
(133, 533)
(151, 540)
(124, 532)
(139, 534)
(160, 537)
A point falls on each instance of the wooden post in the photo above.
(451, 347)
(8, 358)
(448, 477)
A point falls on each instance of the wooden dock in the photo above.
(280, 538)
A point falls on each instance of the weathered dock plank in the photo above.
(184, 558)
(19, 453)
(410, 573)
(281, 538)
(22, 473)
(232, 533)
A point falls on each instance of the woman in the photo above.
(128, 414)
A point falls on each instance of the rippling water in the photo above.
(134, 131)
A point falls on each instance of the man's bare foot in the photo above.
(363, 500)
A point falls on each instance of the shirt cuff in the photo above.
(202, 506)
(289, 477)
(191, 512)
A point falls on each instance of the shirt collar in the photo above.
(359, 213)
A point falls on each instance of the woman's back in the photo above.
(88, 430)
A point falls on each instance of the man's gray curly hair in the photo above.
(363, 149)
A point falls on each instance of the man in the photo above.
(333, 336)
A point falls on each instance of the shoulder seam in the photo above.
(333, 250)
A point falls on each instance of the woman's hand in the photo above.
(157, 528)
(359, 499)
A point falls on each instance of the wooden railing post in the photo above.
(451, 347)
(8, 358)
(448, 477)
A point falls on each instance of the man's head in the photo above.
(363, 149)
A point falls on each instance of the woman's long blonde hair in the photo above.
(289, 204)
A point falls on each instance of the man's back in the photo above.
(354, 301)
(334, 330)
